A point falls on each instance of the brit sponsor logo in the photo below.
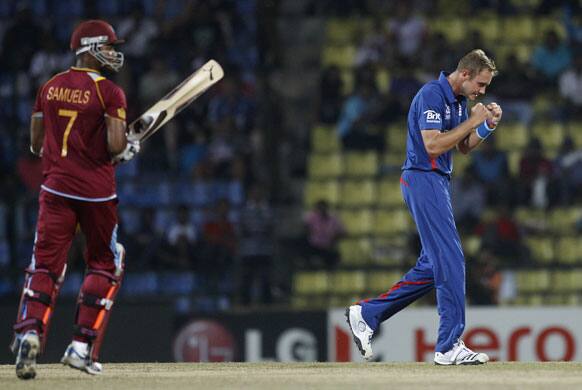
(432, 116)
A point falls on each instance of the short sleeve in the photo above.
(430, 110)
(115, 103)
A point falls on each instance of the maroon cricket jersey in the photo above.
(75, 160)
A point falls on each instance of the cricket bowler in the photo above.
(437, 122)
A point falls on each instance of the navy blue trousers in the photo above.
(441, 263)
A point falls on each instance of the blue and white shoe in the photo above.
(77, 356)
(361, 331)
(460, 355)
(28, 349)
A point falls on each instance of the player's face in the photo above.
(476, 86)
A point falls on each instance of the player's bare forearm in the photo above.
(437, 143)
(116, 138)
(36, 134)
(469, 143)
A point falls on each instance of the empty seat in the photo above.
(396, 137)
(518, 29)
(550, 134)
(321, 166)
(143, 283)
(341, 56)
(454, 29)
(389, 192)
(348, 282)
(324, 139)
(570, 280)
(358, 193)
(357, 222)
(563, 220)
(569, 250)
(542, 249)
(392, 222)
(310, 282)
(513, 136)
(381, 281)
(361, 164)
(355, 251)
(321, 190)
(533, 280)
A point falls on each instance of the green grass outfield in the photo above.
(302, 376)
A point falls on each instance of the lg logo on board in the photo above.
(204, 341)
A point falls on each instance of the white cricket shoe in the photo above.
(361, 332)
(460, 355)
(28, 349)
(78, 357)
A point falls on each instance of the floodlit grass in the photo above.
(302, 376)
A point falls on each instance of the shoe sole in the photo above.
(356, 340)
(84, 368)
(26, 360)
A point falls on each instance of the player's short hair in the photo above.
(475, 61)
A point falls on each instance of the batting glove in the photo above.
(131, 149)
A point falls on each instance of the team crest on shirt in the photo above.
(432, 116)
(447, 113)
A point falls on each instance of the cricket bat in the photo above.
(175, 101)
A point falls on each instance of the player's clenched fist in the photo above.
(479, 114)
(496, 112)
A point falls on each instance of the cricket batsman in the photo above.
(78, 128)
(437, 122)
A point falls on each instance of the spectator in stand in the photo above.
(408, 31)
(193, 154)
(358, 112)
(491, 169)
(139, 31)
(468, 200)
(20, 40)
(570, 83)
(568, 166)
(147, 241)
(484, 279)
(475, 39)
(179, 251)
(403, 86)
(374, 47)
(256, 249)
(47, 61)
(509, 87)
(535, 171)
(219, 245)
(437, 54)
(330, 95)
(155, 83)
(323, 232)
(233, 105)
(503, 237)
(550, 59)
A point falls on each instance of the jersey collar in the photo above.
(448, 89)
(85, 69)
